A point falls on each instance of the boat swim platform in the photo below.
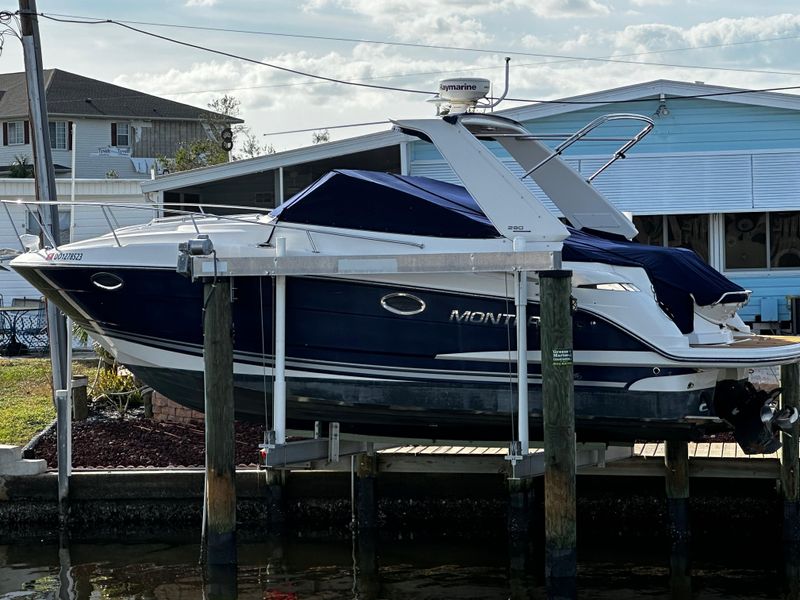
(706, 459)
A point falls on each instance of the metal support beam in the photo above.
(456, 262)
(64, 439)
(45, 177)
(305, 451)
(279, 386)
(521, 302)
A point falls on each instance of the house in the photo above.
(719, 173)
(119, 131)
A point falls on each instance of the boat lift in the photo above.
(199, 261)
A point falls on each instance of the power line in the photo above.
(380, 87)
(237, 56)
(327, 127)
(566, 102)
(123, 24)
(615, 58)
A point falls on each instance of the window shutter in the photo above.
(113, 134)
(5, 133)
(69, 135)
(27, 133)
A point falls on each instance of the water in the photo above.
(298, 569)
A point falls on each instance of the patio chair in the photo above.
(33, 329)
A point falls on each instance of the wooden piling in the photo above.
(220, 484)
(80, 405)
(520, 506)
(366, 501)
(676, 476)
(790, 455)
(559, 424)
(276, 480)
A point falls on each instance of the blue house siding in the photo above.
(693, 125)
(768, 290)
(776, 181)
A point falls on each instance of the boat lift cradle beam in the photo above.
(205, 264)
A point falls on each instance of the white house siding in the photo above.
(92, 141)
(89, 220)
(93, 136)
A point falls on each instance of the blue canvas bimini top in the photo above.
(372, 201)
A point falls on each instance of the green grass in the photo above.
(26, 404)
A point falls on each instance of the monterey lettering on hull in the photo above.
(487, 318)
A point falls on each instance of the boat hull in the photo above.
(351, 360)
(451, 411)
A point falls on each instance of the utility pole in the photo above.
(46, 192)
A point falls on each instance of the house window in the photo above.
(64, 214)
(681, 231)
(120, 134)
(784, 228)
(746, 241)
(762, 240)
(58, 135)
(16, 133)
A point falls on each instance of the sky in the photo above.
(408, 44)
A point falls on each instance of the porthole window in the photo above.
(107, 281)
(401, 303)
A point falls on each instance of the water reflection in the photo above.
(791, 570)
(374, 568)
(680, 577)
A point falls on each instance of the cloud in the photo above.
(200, 2)
(445, 22)
(562, 9)
(644, 3)
(747, 42)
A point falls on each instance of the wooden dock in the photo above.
(710, 459)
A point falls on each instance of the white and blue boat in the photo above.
(659, 351)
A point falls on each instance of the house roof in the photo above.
(639, 91)
(72, 95)
(269, 162)
(653, 89)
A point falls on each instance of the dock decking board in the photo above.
(706, 459)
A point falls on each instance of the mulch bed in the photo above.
(106, 441)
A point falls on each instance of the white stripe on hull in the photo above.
(136, 354)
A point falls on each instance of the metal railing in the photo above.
(179, 215)
(588, 128)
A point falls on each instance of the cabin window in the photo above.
(58, 135)
(676, 231)
(64, 217)
(401, 303)
(106, 281)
